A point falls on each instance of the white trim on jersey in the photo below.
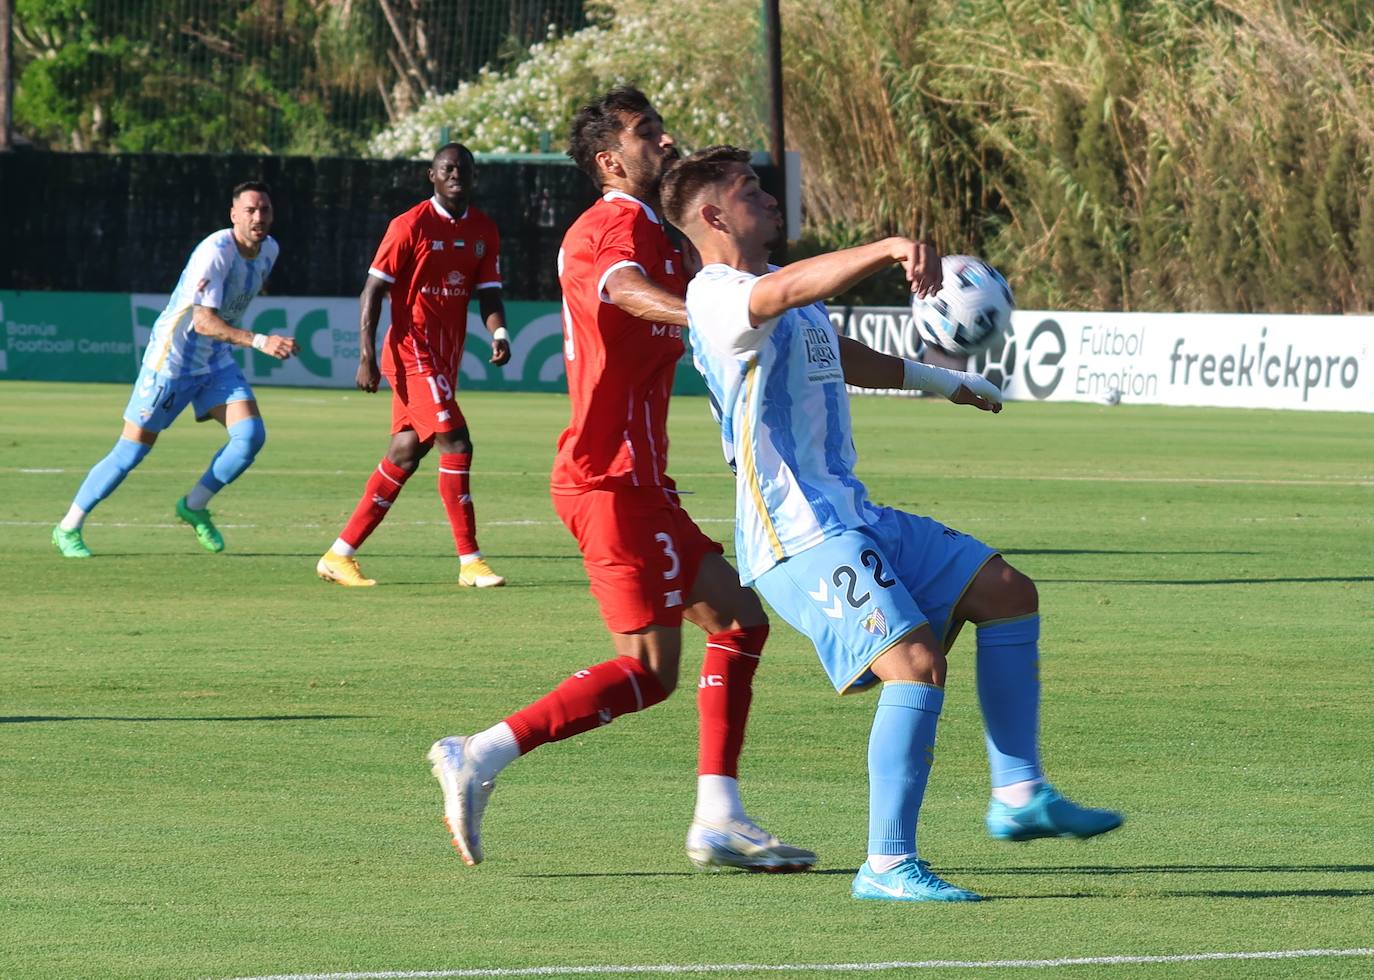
(487, 285)
(434, 201)
(623, 263)
(622, 196)
(374, 271)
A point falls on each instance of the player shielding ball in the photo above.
(432, 260)
(188, 361)
(881, 593)
(649, 564)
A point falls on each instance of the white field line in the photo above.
(677, 968)
(1031, 477)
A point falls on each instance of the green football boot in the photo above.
(206, 532)
(69, 543)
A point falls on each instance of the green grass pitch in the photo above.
(213, 765)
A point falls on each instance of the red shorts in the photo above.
(641, 551)
(424, 403)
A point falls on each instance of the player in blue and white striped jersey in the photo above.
(881, 593)
(189, 362)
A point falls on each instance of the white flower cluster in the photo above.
(706, 86)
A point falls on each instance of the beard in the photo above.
(777, 239)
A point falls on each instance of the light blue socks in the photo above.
(246, 437)
(901, 749)
(1009, 695)
(109, 473)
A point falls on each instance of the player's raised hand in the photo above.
(921, 262)
(500, 352)
(280, 347)
(368, 377)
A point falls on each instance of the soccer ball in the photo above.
(969, 312)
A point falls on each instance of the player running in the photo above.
(432, 259)
(188, 362)
(650, 566)
(881, 593)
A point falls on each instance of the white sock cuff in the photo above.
(342, 548)
(718, 798)
(493, 750)
(883, 863)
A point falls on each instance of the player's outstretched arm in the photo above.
(207, 322)
(638, 295)
(865, 367)
(493, 312)
(823, 276)
(369, 312)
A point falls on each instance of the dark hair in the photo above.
(250, 185)
(597, 126)
(684, 183)
(463, 151)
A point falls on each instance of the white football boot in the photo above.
(713, 845)
(465, 796)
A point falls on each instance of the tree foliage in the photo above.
(290, 76)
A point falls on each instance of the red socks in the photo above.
(724, 692)
(586, 700)
(381, 491)
(454, 492)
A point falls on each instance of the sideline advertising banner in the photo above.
(53, 336)
(1320, 363)
(1315, 363)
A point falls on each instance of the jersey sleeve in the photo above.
(622, 244)
(209, 270)
(718, 310)
(394, 254)
(489, 266)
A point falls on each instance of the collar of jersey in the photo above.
(622, 196)
(440, 208)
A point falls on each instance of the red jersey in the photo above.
(434, 262)
(620, 368)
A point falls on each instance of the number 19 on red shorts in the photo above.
(424, 403)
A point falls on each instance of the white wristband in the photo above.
(259, 341)
(501, 333)
(917, 376)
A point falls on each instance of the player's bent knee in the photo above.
(252, 431)
(913, 660)
(1019, 592)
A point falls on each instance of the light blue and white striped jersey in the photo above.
(216, 276)
(778, 392)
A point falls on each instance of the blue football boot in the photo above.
(910, 881)
(1049, 815)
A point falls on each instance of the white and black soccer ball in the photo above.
(971, 310)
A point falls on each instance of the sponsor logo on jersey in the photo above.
(436, 246)
(480, 249)
(455, 278)
(876, 623)
(671, 598)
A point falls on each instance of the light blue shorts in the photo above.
(857, 593)
(158, 399)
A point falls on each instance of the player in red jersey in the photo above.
(431, 260)
(650, 566)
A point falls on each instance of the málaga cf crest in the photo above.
(876, 623)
